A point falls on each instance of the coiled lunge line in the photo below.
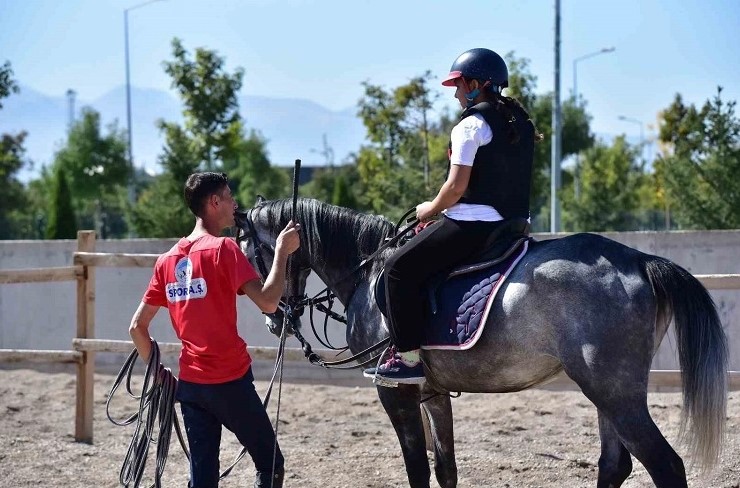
(157, 400)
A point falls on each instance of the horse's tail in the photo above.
(702, 351)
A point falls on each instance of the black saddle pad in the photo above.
(502, 243)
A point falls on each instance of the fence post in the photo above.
(85, 330)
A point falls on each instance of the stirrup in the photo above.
(379, 380)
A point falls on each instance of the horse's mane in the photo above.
(330, 234)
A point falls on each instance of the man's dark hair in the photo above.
(200, 186)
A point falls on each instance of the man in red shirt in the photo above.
(198, 281)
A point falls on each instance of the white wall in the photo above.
(42, 315)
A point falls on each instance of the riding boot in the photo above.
(264, 480)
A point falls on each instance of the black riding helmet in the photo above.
(480, 64)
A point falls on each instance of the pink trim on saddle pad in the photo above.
(474, 338)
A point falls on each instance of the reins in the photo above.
(299, 303)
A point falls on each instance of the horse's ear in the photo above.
(260, 200)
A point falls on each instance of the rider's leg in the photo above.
(438, 247)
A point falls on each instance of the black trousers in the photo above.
(439, 247)
(235, 405)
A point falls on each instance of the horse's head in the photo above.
(257, 233)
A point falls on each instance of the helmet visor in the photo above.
(450, 80)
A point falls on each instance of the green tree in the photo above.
(209, 94)
(12, 160)
(609, 190)
(210, 138)
(62, 224)
(401, 137)
(96, 167)
(382, 118)
(245, 161)
(95, 162)
(160, 210)
(701, 165)
(576, 137)
(7, 83)
(576, 134)
(14, 196)
(397, 169)
(522, 82)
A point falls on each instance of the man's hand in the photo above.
(267, 295)
(289, 240)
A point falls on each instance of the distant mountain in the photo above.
(294, 128)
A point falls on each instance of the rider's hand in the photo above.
(289, 240)
(425, 211)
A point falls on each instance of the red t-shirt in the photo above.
(198, 283)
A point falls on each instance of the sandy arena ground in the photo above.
(336, 437)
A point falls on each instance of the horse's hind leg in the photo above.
(402, 406)
(439, 413)
(615, 463)
(625, 407)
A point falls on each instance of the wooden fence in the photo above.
(85, 345)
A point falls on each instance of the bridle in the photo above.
(292, 305)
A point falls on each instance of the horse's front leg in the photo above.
(402, 406)
(439, 414)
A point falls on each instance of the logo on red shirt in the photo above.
(185, 288)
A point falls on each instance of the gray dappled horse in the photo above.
(582, 304)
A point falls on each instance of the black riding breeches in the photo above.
(439, 247)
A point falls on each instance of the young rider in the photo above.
(489, 178)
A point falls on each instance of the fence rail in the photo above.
(39, 356)
(85, 346)
(40, 275)
(720, 282)
(268, 353)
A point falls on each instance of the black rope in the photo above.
(279, 360)
(157, 400)
(314, 358)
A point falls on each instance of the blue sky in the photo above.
(323, 49)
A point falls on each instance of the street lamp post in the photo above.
(642, 156)
(132, 178)
(557, 132)
(639, 122)
(604, 50)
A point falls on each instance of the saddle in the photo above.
(501, 244)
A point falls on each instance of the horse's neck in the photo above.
(342, 280)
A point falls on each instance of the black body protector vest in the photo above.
(502, 172)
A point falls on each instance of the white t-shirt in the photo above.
(467, 136)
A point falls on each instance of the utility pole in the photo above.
(556, 133)
(132, 178)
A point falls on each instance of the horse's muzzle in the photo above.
(275, 321)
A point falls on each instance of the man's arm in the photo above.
(139, 329)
